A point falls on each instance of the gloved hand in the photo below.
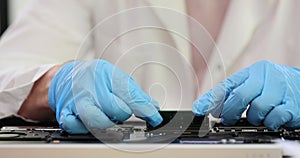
(95, 94)
(271, 90)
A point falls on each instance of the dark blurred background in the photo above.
(3, 16)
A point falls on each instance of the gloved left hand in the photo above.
(271, 90)
(95, 95)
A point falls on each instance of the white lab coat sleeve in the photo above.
(47, 33)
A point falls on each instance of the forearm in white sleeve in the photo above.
(15, 85)
(48, 32)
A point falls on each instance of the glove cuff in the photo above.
(58, 80)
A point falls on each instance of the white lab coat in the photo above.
(54, 31)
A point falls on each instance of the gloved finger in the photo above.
(271, 96)
(115, 108)
(294, 123)
(97, 75)
(141, 104)
(213, 100)
(210, 102)
(240, 97)
(258, 111)
(70, 123)
(278, 116)
(293, 109)
(91, 115)
(124, 87)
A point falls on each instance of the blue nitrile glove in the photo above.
(271, 90)
(95, 94)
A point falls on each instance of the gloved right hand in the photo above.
(96, 94)
(271, 90)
